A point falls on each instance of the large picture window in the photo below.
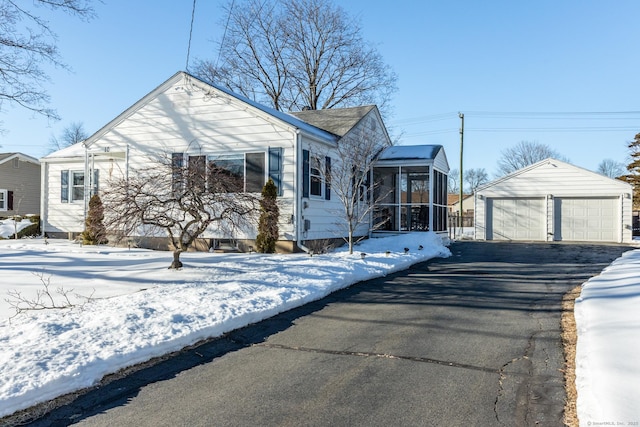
(227, 172)
(236, 172)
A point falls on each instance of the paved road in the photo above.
(469, 340)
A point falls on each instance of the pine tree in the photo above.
(95, 233)
(268, 223)
(633, 177)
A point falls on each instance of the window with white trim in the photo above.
(315, 177)
(236, 172)
(4, 200)
(77, 186)
(72, 185)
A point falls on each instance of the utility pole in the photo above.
(461, 115)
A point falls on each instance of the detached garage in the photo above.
(554, 201)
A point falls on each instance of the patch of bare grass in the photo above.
(569, 340)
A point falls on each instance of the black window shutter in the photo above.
(275, 167)
(10, 200)
(327, 178)
(64, 186)
(305, 173)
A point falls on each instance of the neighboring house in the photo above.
(19, 185)
(468, 204)
(189, 120)
(554, 201)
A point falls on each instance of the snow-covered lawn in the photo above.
(608, 349)
(140, 310)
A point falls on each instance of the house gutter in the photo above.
(297, 200)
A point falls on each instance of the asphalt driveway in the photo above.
(473, 339)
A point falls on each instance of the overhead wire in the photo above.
(193, 14)
(572, 116)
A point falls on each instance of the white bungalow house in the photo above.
(186, 118)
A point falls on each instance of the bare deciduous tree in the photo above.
(350, 181)
(453, 185)
(26, 42)
(611, 168)
(475, 178)
(298, 53)
(71, 134)
(180, 200)
(523, 154)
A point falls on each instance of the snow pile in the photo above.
(608, 349)
(8, 227)
(142, 310)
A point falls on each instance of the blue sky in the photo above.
(491, 60)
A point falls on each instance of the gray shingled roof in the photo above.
(338, 121)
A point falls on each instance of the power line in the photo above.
(524, 115)
(193, 14)
(224, 34)
(549, 113)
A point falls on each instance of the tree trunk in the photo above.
(176, 259)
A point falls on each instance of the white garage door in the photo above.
(515, 219)
(586, 219)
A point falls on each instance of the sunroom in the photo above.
(411, 189)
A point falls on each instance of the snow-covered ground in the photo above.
(608, 351)
(140, 310)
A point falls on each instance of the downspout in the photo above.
(297, 194)
(87, 180)
(44, 193)
(622, 225)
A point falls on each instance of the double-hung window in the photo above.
(315, 176)
(3, 200)
(72, 185)
(316, 173)
(77, 186)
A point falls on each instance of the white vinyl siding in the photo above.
(183, 118)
